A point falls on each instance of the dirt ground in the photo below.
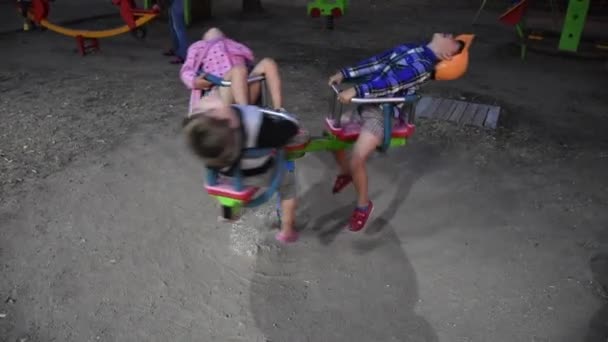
(107, 235)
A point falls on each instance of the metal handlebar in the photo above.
(218, 81)
(379, 100)
(280, 166)
(388, 106)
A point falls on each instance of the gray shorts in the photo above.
(371, 119)
(287, 188)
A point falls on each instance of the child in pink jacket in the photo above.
(232, 61)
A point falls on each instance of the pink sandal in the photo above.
(342, 181)
(286, 239)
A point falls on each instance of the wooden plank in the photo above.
(431, 108)
(450, 111)
(443, 109)
(422, 105)
(468, 114)
(492, 117)
(480, 115)
(457, 112)
(428, 108)
(436, 113)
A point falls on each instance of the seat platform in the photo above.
(227, 190)
(350, 131)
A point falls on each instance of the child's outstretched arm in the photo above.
(372, 64)
(398, 79)
(189, 70)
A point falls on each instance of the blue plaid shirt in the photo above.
(396, 72)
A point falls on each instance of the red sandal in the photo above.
(342, 181)
(360, 217)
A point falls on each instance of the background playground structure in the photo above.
(578, 28)
(134, 19)
(329, 9)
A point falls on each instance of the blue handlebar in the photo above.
(237, 180)
(214, 79)
(220, 82)
(274, 184)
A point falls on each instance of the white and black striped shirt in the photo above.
(261, 129)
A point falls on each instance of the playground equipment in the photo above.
(134, 18)
(569, 40)
(329, 9)
(399, 124)
(233, 195)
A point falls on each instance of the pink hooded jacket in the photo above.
(216, 57)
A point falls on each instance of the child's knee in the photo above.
(269, 63)
(364, 147)
(357, 161)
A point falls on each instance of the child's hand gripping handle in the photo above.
(388, 107)
(220, 82)
(377, 100)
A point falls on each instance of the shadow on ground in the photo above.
(342, 286)
(598, 326)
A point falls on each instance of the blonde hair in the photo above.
(213, 140)
(213, 33)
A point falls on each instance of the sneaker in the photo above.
(342, 181)
(360, 217)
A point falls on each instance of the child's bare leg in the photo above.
(288, 217)
(364, 147)
(239, 88)
(255, 90)
(344, 178)
(342, 160)
(269, 68)
(287, 193)
(226, 95)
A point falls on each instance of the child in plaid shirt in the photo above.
(396, 72)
